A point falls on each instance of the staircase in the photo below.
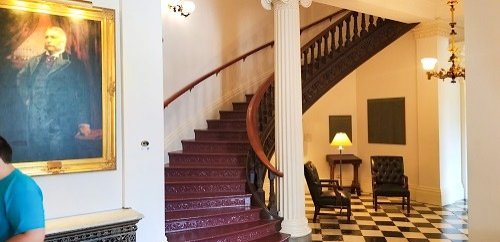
(209, 184)
(205, 186)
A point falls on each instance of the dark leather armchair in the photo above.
(326, 198)
(389, 180)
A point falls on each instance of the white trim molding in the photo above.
(431, 28)
(428, 195)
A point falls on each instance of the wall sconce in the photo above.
(184, 8)
(455, 69)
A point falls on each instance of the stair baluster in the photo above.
(355, 29)
(325, 47)
(348, 30)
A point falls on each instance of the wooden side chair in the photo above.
(334, 198)
(389, 180)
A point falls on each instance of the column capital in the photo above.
(305, 3)
(268, 4)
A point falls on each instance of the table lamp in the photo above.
(340, 139)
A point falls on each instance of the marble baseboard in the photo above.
(110, 226)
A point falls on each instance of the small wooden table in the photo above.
(346, 159)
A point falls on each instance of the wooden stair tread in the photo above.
(219, 231)
(181, 152)
(201, 196)
(277, 237)
(228, 120)
(217, 141)
(199, 213)
(222, 130)
(233, 111)
(203, 167)
(204, 182)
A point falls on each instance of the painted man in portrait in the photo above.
(54, 88)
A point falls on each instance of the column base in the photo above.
(306, 238)
(296, 228)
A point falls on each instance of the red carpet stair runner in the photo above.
(205, 194)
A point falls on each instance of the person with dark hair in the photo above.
(21, 202)
(54, 88)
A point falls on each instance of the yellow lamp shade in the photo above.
(341, 139)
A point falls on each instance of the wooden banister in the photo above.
(191, 85)
(252, 127)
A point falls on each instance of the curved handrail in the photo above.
(252, 128)
(191, 85)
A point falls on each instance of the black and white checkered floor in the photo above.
(424, 223)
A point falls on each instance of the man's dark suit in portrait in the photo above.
(54, 88)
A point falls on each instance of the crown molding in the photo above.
(268, 4)
(431, 28)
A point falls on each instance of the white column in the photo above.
(288, 114)
(439, 121)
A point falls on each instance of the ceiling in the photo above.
(408, 11)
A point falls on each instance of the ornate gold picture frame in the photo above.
(57, 86)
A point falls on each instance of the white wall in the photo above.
(450, 142)
(393, 73)
(340, 100)
(217, 32)
(390, 73)
(483, 117)
(432, 153)
(138, 180)
(428, 189)
(142, 75)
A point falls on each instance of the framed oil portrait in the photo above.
(57, 86)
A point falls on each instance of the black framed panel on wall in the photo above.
(386, 121)
(340, 123)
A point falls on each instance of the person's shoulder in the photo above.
(24, 181)
(68, 56)
(73, 59)
(33, 61)
(36, 58)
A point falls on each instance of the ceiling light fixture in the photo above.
(184, 8)
(455, 70)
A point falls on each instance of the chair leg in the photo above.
(375, 202)
(316, 212)
(408, 204)
(403, 202)
(349, 213)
